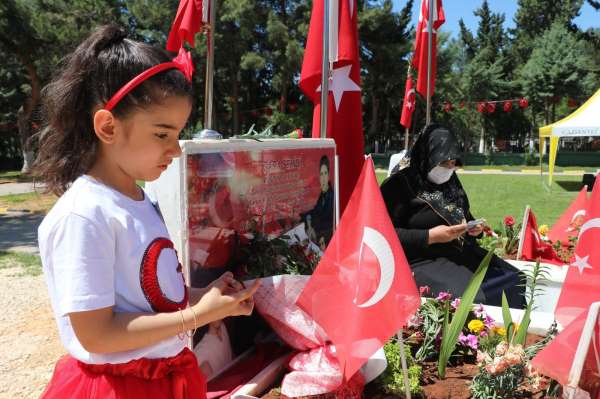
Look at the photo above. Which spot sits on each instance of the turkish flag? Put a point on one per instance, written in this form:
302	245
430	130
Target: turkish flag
556	359
191	14
581	286
533	246
408	105
362	291
420	57
571	220
344	109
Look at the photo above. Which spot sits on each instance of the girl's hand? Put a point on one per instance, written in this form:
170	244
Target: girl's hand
224	298
442	233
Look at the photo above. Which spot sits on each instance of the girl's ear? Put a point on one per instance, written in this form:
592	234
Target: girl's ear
104	126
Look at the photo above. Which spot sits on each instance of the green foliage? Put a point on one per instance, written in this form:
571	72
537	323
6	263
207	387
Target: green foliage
431	317
535	281
392	379
450	334
553	69
506	316
488	386
260	256
29	264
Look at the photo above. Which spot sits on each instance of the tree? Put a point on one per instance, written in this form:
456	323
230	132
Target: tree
384	48
553	70
18	39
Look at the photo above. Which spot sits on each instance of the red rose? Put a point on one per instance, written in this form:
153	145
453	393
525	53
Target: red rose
509	221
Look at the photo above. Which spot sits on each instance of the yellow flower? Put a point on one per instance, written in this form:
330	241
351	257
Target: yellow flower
543	229
476	326
499	330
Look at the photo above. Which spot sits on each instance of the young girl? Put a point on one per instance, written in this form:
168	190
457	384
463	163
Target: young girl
113	116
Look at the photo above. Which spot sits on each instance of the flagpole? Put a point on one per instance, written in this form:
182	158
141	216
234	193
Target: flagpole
414	106
210	62
325	70
403	361
429	45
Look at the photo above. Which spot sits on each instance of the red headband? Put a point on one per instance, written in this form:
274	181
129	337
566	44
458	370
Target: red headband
183	62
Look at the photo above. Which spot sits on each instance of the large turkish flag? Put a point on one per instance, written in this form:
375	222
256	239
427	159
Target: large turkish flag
344	107
582	283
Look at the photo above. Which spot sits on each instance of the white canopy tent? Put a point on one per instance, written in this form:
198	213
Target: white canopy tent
585	121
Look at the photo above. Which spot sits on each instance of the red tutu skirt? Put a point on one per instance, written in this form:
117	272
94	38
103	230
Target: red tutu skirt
177	377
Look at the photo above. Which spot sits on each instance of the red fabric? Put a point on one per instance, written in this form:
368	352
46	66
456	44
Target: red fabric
344	120
362	291
408	105
187	23
534	247
420	57
571	220
235	377
581	284
556	359
149	278
177	377
183	62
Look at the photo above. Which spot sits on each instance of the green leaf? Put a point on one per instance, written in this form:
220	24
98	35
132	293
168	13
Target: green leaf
450	337
506	317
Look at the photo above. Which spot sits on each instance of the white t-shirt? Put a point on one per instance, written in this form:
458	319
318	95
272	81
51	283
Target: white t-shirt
100	248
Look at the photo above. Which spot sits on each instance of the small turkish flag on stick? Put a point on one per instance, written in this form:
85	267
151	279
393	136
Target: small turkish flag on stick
362	291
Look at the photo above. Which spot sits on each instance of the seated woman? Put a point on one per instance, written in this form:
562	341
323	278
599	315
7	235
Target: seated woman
429	209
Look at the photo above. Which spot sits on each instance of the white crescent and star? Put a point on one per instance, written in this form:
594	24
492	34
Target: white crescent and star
410	98
385	257
581	263
339	83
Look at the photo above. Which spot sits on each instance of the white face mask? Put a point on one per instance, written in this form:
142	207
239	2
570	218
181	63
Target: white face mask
440	174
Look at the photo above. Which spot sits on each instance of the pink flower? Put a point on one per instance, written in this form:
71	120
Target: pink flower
489	322
483	358
479	311
497	366
424	290
509	221
455	303
512	359
444	296
469	340
501	348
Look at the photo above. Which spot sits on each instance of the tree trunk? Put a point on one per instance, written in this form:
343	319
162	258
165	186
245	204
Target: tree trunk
25	112
482	140
374	128
235	103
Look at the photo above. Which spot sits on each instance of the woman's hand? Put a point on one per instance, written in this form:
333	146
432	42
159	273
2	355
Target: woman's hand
442	233
475	231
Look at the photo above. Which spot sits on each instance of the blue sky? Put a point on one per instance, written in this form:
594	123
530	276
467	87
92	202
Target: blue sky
456	9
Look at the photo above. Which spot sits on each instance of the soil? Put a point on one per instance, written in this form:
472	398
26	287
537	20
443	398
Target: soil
29	344
456	385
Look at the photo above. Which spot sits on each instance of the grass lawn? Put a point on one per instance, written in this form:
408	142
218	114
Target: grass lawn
518	168
35	202
495	196
14	176
28	263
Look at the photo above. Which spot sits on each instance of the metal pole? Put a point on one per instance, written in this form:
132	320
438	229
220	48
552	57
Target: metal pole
210	62
404	366
325	69
429	40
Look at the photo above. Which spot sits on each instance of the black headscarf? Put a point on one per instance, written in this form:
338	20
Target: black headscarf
434	145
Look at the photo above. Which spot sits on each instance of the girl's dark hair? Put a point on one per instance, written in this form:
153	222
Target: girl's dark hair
89	77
